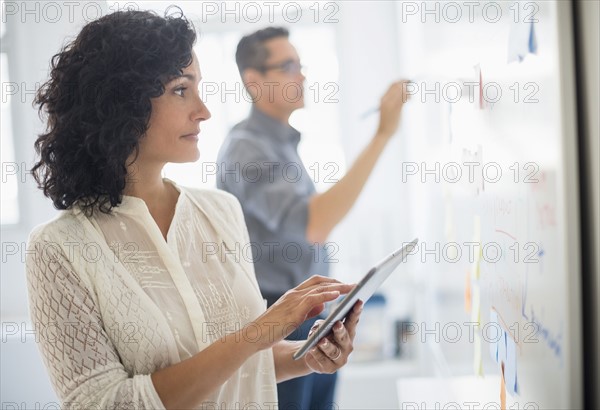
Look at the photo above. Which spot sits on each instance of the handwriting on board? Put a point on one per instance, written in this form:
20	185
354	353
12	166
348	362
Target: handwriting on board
504	352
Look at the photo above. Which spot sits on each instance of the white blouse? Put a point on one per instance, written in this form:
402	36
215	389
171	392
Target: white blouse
113	302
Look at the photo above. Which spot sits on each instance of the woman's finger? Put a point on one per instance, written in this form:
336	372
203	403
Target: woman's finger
342	338
353	318
330	350
317	361
325	364
343	288
315	299
315	280
315	326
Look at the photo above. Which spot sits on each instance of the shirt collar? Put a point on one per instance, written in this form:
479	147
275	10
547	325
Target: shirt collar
273	128
133	204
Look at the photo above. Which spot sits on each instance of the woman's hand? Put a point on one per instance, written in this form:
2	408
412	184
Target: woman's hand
292	309
332	351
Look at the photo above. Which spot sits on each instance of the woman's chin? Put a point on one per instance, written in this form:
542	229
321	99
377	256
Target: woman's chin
191	156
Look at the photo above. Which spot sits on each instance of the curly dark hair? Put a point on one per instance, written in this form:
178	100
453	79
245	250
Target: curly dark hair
98	103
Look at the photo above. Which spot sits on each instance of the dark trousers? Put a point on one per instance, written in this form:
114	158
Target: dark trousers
315	391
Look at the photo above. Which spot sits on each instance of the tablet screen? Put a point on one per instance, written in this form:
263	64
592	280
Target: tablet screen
363	291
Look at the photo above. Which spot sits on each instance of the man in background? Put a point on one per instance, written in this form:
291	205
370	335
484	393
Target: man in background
288	222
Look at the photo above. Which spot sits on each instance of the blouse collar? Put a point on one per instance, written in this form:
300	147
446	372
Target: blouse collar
133	204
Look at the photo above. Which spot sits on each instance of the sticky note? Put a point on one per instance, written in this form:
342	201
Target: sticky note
476	305
532	40
502	390
493	339
502	350
510	368
477	252
477	359
480	79
522	40
468	292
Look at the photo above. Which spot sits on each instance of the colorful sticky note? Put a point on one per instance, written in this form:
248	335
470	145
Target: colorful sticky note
532	40
510	368
480	79
477	359
494	342
477	251
476	305
521	40
468	292
502	350
502	390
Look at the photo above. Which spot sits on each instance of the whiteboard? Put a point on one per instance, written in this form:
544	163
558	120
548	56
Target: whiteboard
492	168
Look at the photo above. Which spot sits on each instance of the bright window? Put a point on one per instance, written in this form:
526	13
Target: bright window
10	169
221	87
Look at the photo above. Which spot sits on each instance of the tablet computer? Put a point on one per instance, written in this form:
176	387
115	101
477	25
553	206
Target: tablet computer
363	291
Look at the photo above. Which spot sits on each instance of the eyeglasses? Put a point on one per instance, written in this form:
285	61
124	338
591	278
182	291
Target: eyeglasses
289	67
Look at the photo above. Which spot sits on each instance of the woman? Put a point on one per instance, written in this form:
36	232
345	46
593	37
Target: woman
131	307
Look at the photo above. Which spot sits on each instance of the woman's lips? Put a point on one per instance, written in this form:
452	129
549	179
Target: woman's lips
191	137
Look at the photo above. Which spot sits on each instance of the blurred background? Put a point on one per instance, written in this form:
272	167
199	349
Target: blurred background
353	51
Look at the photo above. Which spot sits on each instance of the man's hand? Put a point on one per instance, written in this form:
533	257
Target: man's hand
390	108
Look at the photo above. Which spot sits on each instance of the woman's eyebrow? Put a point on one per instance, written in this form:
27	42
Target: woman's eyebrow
190	77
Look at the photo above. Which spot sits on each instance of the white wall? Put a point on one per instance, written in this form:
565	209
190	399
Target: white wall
35	32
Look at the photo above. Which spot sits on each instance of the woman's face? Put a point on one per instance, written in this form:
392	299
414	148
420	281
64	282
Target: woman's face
175	120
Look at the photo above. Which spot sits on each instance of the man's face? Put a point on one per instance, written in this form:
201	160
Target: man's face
283	82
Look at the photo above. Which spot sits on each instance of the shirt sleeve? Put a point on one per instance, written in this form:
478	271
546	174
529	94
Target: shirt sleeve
266	190
83	365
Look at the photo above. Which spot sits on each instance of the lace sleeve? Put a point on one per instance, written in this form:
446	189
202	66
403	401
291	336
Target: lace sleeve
84	367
